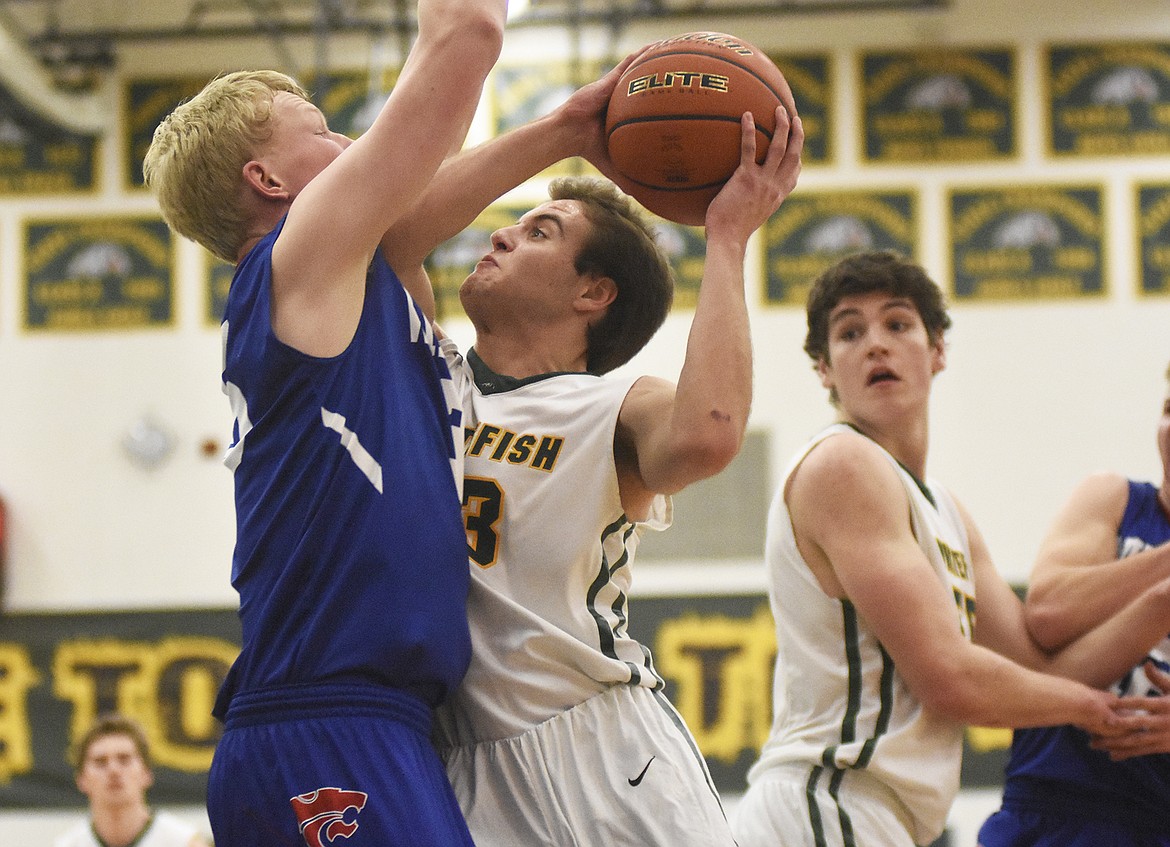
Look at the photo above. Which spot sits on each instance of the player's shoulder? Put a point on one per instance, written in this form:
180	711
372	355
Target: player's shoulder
842	455
1101	491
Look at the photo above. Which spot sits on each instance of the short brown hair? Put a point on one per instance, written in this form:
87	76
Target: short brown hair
861	273
198	152
621	245
110	724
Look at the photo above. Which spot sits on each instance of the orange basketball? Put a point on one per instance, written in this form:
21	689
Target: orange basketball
672	125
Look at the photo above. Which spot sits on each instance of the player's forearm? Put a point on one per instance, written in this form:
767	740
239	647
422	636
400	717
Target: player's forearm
472	180
1068	601
983	688
1104	654
714	395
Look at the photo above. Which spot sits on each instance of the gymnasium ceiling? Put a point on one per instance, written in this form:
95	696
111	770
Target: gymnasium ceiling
65	34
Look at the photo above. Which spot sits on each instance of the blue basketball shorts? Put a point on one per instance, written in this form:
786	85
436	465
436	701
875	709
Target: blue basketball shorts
328	765
1015	827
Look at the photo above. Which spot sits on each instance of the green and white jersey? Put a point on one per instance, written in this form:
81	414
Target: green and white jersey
550	549
840	706
162	830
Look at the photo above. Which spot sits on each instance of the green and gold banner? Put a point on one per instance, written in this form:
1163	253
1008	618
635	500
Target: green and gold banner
59	671
1027	242
1153	233
815	92
98	273
922	106
1108	99
815	229
38	157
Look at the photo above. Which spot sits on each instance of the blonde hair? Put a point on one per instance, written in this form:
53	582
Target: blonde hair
196	157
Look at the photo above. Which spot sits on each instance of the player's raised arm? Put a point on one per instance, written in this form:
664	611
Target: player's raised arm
470	181
687	433
337	219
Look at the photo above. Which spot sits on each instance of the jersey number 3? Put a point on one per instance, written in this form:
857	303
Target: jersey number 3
483	507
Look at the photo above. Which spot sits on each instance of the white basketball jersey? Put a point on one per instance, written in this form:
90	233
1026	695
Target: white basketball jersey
839	704
550	552
164	830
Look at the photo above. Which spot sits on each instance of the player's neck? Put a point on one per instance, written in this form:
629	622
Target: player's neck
119	826
523	357
907	444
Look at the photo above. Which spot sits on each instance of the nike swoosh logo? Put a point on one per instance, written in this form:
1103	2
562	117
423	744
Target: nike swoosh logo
638	780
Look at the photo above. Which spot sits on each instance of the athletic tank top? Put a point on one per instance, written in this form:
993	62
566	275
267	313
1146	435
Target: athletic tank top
839	703
163	830
350	557
551	551
1053	769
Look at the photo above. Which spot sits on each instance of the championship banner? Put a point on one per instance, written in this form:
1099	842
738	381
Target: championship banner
58	671
925	106
813	230
1108	99
814	90
38	157
1027	242
98	273
1153	233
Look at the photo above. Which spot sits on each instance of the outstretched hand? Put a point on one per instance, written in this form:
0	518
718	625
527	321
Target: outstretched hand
755	191
1152	715
585	112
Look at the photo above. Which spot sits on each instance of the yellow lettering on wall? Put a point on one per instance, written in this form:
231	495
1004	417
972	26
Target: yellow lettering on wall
169	686
17	676
731	658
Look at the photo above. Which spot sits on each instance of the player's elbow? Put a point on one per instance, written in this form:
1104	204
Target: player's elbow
948	694
711	451
1047	624
471	34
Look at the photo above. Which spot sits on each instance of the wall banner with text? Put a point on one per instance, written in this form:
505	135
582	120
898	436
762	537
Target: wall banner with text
98	273
1027	242
924	106
811	80
1108	99
1153	234
812	230
58	671
39	157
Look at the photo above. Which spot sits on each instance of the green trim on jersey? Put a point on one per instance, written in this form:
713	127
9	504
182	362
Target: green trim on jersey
490	382
921	485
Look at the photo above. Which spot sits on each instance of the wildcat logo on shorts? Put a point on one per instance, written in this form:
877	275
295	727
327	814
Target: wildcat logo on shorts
322	814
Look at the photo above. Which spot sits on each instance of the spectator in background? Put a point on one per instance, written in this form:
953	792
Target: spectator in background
112	764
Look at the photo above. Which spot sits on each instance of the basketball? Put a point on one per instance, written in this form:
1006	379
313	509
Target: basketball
672	125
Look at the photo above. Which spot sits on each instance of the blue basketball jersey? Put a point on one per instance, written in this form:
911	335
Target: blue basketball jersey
350	557
1052	770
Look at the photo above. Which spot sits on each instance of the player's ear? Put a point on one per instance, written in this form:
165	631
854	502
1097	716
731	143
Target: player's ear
822	369
262	181
938	356
596	293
